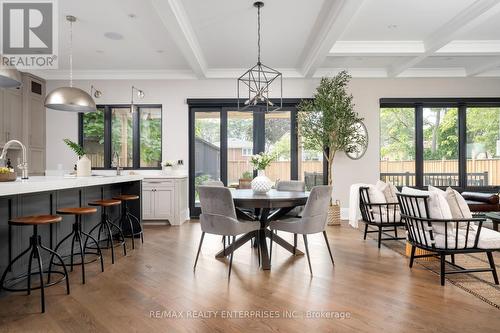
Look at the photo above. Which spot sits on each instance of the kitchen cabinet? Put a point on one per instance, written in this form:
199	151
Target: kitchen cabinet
22	117
165	200
12	106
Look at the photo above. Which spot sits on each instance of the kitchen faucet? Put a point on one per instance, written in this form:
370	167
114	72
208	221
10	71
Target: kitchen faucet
24	164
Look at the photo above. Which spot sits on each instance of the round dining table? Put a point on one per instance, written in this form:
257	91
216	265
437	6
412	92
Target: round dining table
266	207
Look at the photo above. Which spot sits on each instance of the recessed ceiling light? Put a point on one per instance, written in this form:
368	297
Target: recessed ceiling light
132	15
99	51
392	26
160	51
113	35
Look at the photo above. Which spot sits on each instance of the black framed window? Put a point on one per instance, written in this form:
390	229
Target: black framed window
132	136
441	142
221	140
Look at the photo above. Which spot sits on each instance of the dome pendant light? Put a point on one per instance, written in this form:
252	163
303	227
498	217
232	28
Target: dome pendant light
70	98
10	77
259	78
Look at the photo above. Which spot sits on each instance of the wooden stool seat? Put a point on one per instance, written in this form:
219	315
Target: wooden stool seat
35	220
105	203
76	210
126	197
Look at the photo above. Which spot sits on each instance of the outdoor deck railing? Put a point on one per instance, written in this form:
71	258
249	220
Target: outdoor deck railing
435	179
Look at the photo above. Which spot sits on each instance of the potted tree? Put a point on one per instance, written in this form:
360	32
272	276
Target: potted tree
328	122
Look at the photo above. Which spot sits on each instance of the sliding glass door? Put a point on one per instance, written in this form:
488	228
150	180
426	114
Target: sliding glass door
222	140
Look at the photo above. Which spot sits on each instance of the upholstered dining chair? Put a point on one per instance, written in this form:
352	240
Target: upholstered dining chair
313	219
213	183
218	217
292	186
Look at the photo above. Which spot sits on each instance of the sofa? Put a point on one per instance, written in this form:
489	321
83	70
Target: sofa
482	202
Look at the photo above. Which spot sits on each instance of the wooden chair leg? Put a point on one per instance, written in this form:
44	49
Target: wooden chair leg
307	252
198	253
412	256
493	267
231	258
443	257
328	246
395	231
366	231
452	258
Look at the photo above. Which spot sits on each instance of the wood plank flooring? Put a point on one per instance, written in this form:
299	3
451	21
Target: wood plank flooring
156	281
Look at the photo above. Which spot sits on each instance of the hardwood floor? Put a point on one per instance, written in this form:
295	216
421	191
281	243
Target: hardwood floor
375	287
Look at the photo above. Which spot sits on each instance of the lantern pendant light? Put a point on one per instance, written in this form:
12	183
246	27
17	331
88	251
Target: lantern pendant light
259	78
70	98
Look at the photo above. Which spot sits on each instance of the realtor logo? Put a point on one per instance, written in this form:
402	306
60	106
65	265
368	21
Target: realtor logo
29	33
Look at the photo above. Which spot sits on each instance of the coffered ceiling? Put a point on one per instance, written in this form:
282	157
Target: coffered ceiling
217	38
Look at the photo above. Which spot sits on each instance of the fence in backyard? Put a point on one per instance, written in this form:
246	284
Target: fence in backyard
442	172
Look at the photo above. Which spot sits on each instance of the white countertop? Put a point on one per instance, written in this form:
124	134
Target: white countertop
41	183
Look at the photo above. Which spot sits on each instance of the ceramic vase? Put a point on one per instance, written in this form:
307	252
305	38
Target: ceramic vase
83	167
261	184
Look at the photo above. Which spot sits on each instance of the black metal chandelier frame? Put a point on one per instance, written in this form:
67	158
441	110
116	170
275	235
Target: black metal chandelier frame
259	78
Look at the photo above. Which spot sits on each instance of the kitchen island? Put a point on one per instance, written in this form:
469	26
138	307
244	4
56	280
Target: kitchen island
44	195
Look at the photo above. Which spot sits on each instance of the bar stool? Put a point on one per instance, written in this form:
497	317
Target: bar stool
76	235
34	253
129	218
106	226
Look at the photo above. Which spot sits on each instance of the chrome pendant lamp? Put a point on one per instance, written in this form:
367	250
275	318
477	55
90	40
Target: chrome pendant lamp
70	98
259	78
10	77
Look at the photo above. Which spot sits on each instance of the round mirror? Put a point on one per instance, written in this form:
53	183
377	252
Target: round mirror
359	142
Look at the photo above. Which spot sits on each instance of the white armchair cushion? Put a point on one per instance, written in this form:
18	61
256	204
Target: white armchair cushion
389	191
375	193
458	206
392	218
488	239
437	205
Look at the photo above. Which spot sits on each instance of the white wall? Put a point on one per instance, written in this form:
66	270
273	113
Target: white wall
172	94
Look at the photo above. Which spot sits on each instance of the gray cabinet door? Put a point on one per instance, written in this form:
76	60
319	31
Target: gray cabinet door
13	114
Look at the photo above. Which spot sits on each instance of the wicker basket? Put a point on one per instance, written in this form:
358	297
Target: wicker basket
8	177
419	252
334	213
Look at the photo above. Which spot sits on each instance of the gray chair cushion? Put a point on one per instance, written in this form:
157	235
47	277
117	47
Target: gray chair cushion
218	215
292	186
314	215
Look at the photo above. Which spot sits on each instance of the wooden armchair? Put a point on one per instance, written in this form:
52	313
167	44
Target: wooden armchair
458	236
380	215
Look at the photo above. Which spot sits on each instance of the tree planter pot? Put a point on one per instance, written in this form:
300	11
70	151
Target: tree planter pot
83	167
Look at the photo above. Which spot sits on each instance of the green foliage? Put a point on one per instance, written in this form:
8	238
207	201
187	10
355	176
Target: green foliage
75	147
261	161
397	134
247	175
281	149
151	141
328	120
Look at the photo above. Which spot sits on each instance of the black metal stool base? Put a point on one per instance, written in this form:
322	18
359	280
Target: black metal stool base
106	227
76	237
127	218
34	251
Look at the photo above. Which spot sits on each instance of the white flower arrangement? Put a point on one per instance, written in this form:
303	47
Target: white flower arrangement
261	161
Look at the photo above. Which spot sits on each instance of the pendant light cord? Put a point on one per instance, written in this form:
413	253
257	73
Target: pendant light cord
258	34
71	54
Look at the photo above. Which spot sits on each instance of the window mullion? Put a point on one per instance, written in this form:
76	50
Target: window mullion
136	138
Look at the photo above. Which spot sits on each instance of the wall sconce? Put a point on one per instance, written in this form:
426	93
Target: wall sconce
95	92
140	94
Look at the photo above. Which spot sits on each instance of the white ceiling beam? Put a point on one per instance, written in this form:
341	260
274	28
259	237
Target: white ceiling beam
466	19
488	66
334	19
376	48
176	21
